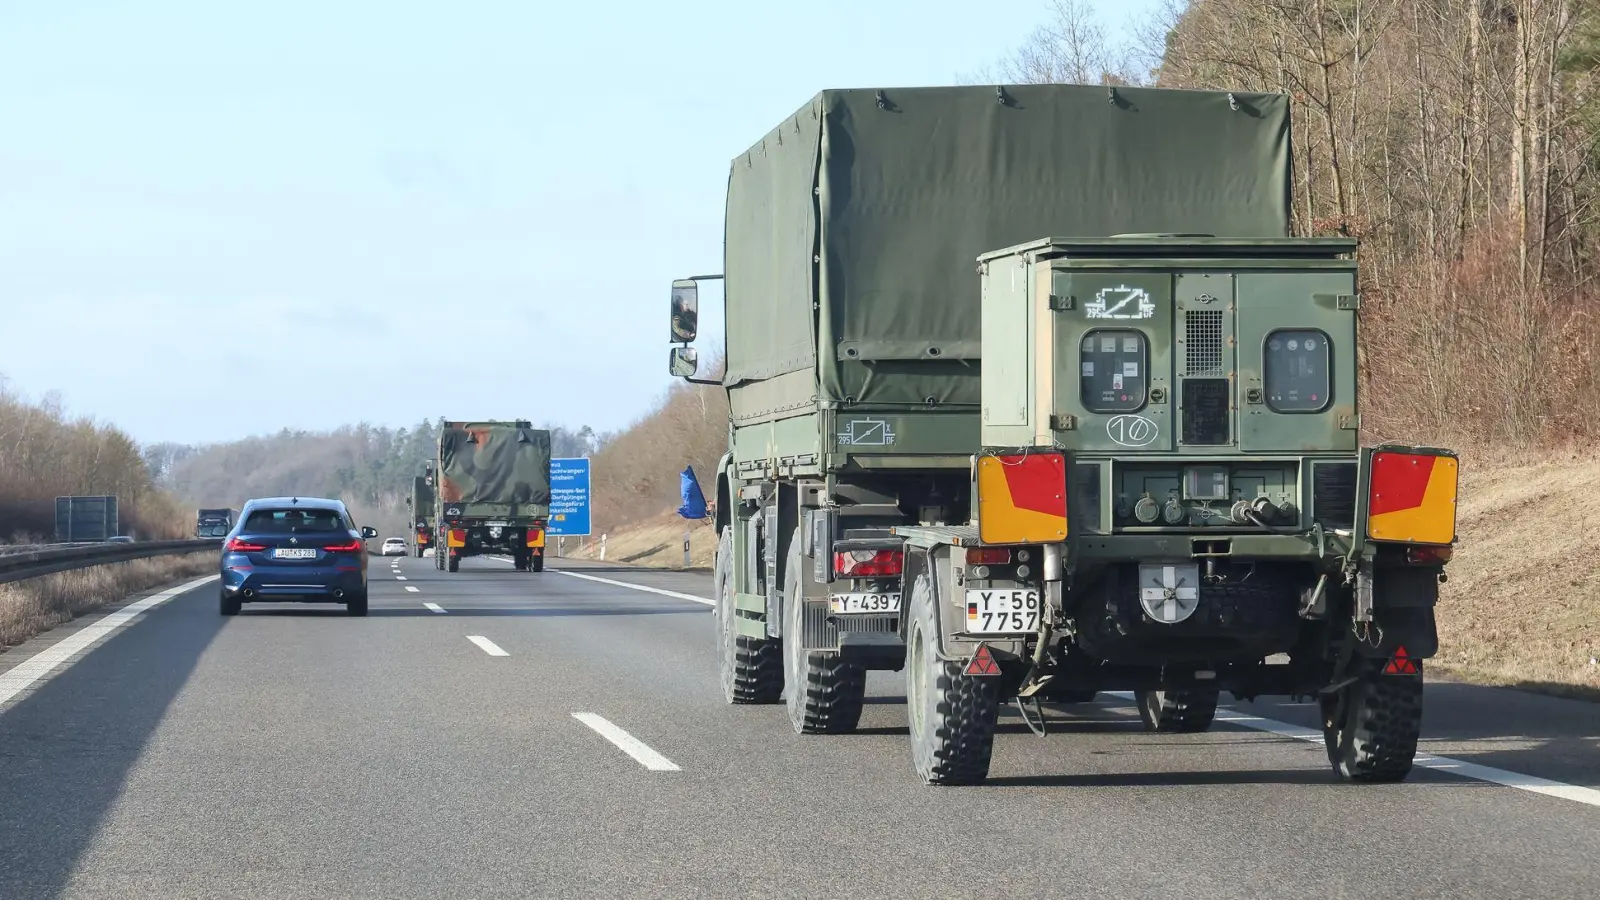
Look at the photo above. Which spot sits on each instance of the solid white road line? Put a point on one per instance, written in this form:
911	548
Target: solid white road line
707	601
413	589
42	665
1453	766
629	744
486	645
435	607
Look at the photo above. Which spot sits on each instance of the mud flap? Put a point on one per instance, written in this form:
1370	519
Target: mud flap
1411	628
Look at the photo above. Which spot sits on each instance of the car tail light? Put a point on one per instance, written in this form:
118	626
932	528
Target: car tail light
988	556
868	563
239	546
351	547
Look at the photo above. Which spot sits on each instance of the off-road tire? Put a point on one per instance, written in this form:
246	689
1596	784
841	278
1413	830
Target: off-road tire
825	692
453	564
536	564
751	669
1177	711
357	605
230	606
520	563
952	716
417	552
1375	740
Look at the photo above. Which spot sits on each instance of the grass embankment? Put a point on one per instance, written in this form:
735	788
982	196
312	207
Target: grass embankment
656	542
38	604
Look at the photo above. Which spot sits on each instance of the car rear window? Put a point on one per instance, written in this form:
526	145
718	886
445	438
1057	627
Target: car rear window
293	521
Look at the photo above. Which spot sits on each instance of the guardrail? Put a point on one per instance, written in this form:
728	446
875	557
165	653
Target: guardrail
45	561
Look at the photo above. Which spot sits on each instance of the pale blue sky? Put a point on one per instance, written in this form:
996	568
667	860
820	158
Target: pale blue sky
189	188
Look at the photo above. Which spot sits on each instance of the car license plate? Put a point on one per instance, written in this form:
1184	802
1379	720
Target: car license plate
294	553
1003	611
847	604
497	524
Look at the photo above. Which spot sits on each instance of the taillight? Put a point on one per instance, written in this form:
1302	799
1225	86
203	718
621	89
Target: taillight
988	556
1428	556
868	563
352	547
237	546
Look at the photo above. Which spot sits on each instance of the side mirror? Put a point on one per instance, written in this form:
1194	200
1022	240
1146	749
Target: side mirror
685	362
367	531
685	311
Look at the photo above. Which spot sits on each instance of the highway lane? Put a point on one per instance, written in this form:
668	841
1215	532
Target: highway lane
292	752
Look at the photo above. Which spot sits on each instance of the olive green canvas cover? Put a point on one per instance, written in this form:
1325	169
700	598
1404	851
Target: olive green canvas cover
421	497
494	468
866	211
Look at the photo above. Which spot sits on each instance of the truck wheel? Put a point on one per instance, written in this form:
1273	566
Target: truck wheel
419	552
1370	727
519	562
537	565
752	668
825	693
952	716
1177	711
454	564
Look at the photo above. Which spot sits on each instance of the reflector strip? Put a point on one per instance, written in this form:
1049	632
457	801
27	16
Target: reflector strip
982	663
1412	498
1022	499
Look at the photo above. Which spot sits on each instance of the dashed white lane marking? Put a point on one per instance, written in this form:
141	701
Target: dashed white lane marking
486	645
399	578
59	656
435	607
629	744
413	589
1502	777
707	601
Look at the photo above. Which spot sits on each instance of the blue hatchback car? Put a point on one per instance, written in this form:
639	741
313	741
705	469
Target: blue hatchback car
297	549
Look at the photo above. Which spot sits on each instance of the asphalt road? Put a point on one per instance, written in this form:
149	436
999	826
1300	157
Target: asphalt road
295	752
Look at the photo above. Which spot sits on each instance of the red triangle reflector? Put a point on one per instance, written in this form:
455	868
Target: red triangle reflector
982	662
1401	664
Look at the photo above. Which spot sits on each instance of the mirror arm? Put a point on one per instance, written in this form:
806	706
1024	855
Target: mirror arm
693	380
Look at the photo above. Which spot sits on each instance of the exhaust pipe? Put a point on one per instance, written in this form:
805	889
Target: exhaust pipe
338	594
247	593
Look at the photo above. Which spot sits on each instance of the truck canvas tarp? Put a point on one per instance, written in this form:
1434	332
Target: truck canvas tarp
496	469
896	193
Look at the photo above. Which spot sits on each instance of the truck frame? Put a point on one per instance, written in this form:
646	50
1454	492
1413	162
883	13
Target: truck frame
1172	499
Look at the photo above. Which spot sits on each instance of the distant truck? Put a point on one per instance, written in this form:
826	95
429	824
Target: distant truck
421	504
214	523
492	492
86	518
852	331
1171	499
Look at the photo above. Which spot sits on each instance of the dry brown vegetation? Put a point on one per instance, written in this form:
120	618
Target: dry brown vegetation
635	473
37	604
44	454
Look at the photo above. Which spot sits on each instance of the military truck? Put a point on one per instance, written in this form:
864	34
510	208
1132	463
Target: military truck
421	504
492	492
214	522
852	322
1171	499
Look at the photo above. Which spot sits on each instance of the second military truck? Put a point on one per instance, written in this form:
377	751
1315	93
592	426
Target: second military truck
852	323
492	492
421	504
